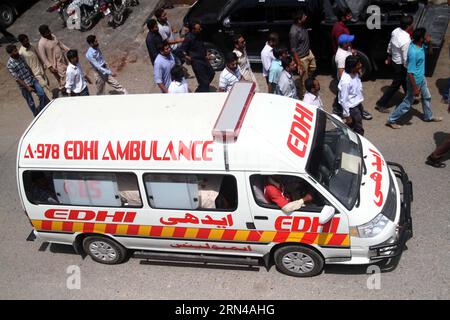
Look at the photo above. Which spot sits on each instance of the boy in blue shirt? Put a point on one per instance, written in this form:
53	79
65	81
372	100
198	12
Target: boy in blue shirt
276	68
416	82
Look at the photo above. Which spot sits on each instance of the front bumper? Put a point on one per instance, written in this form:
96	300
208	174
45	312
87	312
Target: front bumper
394	247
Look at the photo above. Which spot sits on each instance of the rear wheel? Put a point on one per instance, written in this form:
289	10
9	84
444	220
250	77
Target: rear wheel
366	65
118	13
298	261
104	250
7	15
87	19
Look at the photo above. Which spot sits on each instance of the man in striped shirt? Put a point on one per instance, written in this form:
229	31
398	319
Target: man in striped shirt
24	77
231	74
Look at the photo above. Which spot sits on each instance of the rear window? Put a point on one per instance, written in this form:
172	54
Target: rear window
106	189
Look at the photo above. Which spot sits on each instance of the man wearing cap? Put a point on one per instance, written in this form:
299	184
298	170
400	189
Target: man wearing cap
344	50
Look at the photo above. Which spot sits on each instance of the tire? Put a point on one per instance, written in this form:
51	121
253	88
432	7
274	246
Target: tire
87	19
118	13
118	19
366	65
218	63
298	261
7	15
86	24
104	250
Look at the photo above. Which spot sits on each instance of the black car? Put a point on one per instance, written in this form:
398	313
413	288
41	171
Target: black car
10	9
255	19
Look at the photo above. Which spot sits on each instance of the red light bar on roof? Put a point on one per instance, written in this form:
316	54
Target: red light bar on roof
233	112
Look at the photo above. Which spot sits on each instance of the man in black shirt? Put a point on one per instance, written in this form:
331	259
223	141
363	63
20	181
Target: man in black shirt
153	40
196	55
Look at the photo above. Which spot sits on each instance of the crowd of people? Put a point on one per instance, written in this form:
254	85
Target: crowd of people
28	64
168	50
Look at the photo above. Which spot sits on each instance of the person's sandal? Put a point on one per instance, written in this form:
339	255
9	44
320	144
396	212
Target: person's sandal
436	119
393	125
435	162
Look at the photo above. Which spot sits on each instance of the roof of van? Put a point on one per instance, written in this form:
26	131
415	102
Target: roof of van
166	132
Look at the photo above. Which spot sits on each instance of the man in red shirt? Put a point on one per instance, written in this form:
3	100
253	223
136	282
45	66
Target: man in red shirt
340	27
274	193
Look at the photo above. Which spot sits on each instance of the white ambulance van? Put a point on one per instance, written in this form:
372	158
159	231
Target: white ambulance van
184	177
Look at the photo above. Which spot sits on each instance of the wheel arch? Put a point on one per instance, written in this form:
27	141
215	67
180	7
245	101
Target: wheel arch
78	242
299	244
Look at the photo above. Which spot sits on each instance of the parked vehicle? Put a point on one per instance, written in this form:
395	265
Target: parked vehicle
255	19
117	10
61	6
10	10
195	191
83	14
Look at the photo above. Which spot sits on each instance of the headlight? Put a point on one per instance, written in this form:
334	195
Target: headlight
370	229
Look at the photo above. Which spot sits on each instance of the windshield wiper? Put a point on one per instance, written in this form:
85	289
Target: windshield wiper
364	166
358	198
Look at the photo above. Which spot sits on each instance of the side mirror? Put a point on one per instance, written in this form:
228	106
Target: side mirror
326	214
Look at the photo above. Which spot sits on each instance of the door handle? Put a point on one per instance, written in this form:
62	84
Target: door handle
261	218
250	225
263	30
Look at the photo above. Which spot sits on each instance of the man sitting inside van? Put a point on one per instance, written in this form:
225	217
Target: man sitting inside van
275	192
42	191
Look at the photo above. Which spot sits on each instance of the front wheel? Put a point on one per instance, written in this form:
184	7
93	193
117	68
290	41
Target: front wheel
298	261
104	250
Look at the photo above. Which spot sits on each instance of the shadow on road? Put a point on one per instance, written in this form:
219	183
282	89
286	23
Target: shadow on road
199	265
385	266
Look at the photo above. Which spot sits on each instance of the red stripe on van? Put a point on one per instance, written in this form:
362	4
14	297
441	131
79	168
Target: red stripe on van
67	226
336	240
254	236
132	230
111	228
203	233
309	238
281	236
179	232
229	234
156	231
88	227
47	225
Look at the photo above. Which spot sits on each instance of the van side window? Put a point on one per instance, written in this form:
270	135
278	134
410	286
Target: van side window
191	191
291	187
82	188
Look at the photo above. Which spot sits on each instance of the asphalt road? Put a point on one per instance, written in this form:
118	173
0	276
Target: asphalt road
32	270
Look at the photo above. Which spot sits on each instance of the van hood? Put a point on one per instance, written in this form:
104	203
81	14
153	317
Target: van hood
206	11
375	184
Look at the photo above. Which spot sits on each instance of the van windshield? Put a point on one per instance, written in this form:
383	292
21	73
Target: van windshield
336	159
